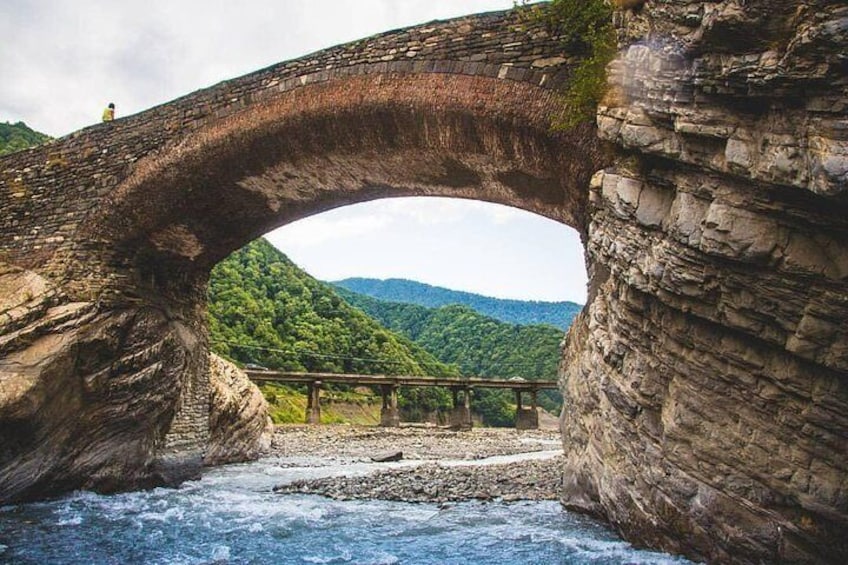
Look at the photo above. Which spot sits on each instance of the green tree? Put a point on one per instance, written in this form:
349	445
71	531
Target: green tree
266	311
584	27
480	346
19	136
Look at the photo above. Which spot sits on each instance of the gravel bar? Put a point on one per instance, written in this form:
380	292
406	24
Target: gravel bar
454	466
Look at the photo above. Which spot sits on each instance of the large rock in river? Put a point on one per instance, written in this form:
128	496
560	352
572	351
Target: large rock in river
83	383
240	428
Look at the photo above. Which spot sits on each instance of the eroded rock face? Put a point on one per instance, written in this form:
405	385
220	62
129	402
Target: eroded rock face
89	393
706	384
240	428
83	385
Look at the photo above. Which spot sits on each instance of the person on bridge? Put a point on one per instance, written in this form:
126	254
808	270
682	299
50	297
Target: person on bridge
109	112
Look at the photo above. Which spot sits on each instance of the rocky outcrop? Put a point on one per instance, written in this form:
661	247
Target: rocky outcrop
82	385
706	384
88	393
240	428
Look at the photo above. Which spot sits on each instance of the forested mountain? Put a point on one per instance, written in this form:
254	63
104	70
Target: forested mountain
264	310
15	137
479	345
558	314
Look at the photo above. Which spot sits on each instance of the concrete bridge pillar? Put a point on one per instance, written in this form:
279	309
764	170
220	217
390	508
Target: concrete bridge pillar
461	413
390	415
526	418
313	403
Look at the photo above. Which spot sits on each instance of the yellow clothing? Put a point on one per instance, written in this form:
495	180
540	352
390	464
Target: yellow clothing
108	114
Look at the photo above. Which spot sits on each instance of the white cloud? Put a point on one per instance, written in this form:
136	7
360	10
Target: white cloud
434	211
462	244
318	230
61	61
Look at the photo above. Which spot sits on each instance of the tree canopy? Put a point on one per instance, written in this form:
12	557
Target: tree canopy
559	314
19	136
264	310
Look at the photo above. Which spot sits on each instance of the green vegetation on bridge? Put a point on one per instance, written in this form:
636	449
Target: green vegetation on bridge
584	27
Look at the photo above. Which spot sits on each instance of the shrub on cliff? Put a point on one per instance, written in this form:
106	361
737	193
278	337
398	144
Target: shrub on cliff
584	27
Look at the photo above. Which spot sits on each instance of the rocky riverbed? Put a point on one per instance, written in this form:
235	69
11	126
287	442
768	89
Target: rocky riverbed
436	465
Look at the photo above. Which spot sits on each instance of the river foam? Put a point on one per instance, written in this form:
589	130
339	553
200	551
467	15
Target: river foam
232	516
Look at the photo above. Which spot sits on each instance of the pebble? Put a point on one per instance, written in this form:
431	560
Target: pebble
434	480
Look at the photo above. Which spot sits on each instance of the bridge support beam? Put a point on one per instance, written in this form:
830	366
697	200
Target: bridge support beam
313	403
389	414
526	418
461	413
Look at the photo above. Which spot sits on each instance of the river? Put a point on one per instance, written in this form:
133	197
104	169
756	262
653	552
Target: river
232	516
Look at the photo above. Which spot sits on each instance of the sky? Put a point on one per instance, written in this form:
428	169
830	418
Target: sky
62	61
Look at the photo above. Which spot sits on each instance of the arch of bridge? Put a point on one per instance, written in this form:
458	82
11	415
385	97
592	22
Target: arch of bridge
123	221
459	108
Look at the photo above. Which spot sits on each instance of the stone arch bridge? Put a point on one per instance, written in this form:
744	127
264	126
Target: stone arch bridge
706	381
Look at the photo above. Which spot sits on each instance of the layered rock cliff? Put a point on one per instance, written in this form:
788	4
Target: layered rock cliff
706	383
83	385
88	390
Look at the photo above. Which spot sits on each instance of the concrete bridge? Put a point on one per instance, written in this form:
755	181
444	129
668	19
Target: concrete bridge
526	417
707	378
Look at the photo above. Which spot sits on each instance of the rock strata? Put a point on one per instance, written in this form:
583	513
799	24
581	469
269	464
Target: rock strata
81	387
82	384
706	384
240	428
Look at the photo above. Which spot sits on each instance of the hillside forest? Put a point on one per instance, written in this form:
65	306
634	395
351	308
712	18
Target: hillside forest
263	310
18	136
523	312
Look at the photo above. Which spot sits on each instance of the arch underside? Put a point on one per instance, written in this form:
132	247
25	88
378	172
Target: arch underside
343	142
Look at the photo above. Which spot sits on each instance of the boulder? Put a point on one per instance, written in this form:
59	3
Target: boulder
240	428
